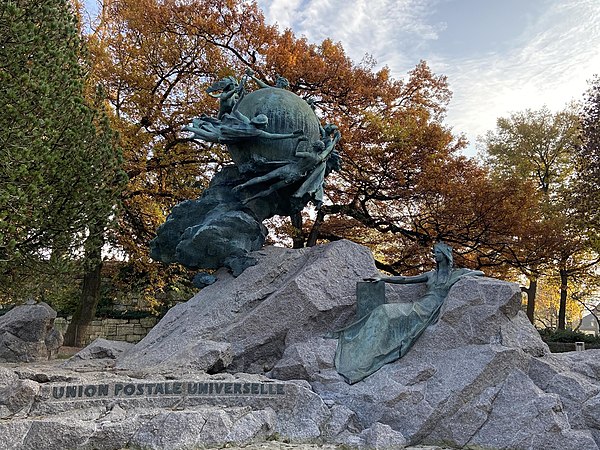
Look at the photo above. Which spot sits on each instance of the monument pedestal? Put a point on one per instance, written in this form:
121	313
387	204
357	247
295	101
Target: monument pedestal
480	376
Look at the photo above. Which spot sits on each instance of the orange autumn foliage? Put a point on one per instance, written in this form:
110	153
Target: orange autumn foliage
403	181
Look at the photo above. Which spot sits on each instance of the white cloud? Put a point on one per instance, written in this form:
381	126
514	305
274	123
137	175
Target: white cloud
380	28
557	55
280	11
547	65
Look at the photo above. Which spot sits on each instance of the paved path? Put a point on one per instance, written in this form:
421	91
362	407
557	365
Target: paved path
284	446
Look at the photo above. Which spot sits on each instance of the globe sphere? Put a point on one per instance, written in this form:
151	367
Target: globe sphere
286	113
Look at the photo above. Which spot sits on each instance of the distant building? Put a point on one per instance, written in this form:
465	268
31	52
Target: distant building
589	324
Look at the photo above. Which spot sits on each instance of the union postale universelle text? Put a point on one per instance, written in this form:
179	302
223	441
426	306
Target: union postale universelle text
166	388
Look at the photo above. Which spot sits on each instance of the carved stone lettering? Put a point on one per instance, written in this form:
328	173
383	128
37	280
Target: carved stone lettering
176	388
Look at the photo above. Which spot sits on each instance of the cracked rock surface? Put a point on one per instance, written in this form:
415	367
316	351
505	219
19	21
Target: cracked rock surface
27	333
479	378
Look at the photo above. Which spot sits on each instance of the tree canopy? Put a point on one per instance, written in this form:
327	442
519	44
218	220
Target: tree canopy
541	146
404	182
587	192
402	171
59	167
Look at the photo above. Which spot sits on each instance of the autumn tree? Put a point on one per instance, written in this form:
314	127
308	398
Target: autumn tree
548	307
404	175
59	167
396	152
369	107
391	130
586	194
402	171
540	146
156	59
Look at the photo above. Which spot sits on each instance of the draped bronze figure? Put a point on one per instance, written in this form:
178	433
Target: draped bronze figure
388	332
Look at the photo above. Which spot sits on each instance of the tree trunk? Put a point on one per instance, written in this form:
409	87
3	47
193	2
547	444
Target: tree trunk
297	238
531	291
314	231
562	310
90	295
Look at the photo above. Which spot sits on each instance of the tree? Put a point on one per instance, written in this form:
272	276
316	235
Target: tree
92	259
549	305
155	61
586	295
535	144
59	167
587	186
391	137
584	197
401	165
403	174
154	72
541	146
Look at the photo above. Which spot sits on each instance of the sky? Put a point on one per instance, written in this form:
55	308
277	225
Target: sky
500	56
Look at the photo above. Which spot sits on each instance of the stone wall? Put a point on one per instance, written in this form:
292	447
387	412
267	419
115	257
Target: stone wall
129	330
561	347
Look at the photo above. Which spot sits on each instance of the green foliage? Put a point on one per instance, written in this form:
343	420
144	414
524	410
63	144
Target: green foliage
59	167
569	336
47	281
535	144
541	146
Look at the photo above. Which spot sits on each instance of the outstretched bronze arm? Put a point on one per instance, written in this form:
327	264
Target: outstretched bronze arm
422	278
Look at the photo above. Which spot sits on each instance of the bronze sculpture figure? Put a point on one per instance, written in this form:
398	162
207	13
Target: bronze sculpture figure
281	155
388	332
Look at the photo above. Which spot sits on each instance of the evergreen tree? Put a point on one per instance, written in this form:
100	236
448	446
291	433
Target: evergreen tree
59	167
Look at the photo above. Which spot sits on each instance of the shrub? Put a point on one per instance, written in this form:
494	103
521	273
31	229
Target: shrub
568	336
